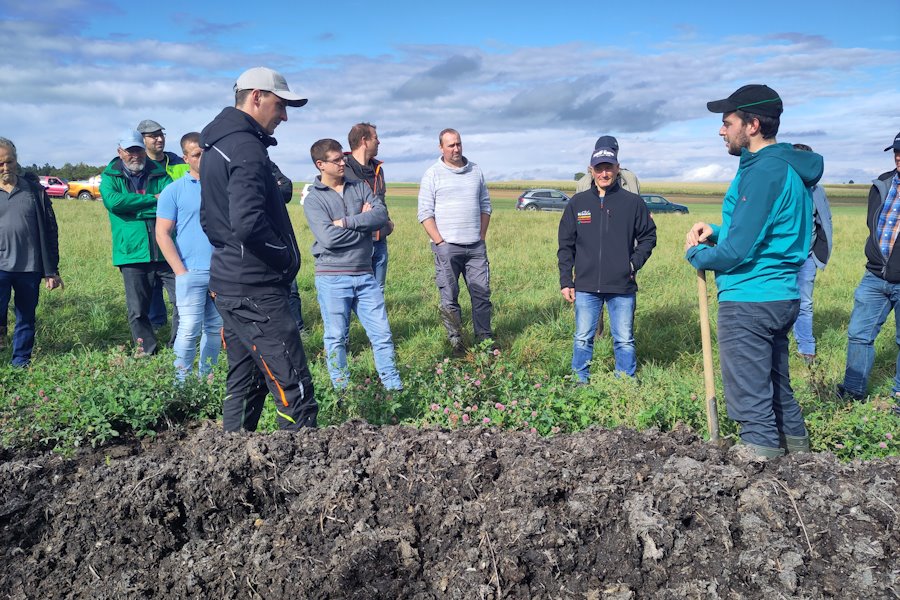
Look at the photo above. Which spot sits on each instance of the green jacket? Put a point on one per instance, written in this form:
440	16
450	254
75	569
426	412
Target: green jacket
132	217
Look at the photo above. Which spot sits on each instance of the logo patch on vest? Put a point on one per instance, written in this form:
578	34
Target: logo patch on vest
584	217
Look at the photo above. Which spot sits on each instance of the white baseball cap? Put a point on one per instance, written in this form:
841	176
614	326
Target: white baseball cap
263	78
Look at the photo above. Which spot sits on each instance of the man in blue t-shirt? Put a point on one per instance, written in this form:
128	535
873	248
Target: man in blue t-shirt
189	254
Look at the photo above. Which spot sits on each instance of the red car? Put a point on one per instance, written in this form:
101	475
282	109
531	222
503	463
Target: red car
56	187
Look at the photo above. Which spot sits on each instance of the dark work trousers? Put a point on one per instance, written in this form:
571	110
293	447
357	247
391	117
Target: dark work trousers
470	261
265	355
753	351
140	278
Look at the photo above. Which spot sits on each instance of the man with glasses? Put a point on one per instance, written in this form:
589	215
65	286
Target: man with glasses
155	145
255	256
342	216
130	187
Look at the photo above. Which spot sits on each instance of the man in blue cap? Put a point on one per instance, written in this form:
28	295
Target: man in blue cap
130	187
756	254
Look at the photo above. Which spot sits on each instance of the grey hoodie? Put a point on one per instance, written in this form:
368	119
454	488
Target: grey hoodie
345	250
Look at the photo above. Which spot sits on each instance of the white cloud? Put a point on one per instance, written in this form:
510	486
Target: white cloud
523	112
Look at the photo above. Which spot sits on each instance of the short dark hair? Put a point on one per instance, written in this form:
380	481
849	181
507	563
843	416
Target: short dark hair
191	137
768	126
445	131
358	133
803	147
240	96
319	150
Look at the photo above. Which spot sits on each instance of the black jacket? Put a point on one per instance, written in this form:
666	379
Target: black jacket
606	240
889	269
48	232
243	211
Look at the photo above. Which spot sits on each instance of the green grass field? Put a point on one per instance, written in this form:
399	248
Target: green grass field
85	387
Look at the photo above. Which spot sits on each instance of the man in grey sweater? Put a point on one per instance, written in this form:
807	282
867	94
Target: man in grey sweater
455	210
342	215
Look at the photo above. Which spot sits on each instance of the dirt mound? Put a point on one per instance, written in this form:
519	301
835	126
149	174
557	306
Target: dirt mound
393	512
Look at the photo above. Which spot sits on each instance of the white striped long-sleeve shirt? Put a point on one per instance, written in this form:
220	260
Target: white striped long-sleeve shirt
455	198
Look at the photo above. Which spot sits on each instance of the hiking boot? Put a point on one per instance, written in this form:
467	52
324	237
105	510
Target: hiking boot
794	444
457	348
846	395
765	451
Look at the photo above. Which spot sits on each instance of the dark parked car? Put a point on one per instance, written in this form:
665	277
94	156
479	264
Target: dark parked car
542	199
659	204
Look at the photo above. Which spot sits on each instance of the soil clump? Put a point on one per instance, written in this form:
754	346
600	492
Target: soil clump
358	511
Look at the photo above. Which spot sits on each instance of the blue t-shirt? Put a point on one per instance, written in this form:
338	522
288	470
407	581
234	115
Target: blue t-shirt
180	202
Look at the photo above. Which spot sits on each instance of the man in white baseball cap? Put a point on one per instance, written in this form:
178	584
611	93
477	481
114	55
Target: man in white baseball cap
255	256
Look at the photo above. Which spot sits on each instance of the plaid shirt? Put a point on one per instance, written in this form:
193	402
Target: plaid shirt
888	221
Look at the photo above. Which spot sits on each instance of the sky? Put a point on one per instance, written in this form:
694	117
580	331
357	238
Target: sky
529	85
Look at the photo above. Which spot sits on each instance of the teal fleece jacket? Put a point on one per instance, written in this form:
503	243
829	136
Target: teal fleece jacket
766	223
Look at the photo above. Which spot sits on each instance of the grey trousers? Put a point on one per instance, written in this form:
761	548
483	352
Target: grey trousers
470	261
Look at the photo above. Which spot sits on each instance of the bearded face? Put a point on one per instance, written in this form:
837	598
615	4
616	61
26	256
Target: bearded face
134	158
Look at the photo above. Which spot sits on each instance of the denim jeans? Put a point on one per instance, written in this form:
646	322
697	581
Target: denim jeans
753	352
872	302
338	296
158	313
803	328
588	307
380	261
197	318
25	288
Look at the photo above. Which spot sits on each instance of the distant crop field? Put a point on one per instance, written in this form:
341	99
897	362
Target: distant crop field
849	194
83	359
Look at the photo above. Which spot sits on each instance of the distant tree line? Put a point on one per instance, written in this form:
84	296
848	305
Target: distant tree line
68	171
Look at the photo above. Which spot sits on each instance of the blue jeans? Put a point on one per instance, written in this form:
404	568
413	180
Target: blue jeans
339	295
380	261
753	352
803	328
197	318
26	287
872	302
588	307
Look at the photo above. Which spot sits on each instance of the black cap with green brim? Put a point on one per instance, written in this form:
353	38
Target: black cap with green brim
755	99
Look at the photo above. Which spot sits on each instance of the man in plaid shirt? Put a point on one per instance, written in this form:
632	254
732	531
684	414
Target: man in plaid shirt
879	291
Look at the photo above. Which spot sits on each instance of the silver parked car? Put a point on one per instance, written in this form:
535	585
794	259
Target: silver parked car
542	199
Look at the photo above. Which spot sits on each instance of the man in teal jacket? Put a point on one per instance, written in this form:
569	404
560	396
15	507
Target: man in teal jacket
130	187
756	254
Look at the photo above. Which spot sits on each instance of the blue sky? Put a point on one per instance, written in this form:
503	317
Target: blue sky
529	85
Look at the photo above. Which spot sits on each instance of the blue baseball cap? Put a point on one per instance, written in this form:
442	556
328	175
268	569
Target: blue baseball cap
131	138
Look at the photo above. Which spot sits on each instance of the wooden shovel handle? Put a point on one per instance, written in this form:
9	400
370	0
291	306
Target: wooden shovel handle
712	415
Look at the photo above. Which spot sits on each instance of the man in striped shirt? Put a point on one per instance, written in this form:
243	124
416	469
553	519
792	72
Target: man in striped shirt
879	291
455	210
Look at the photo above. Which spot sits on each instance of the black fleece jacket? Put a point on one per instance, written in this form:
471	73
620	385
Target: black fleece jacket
606	240
243	211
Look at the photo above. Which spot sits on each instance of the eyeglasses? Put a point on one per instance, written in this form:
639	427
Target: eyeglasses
337	162
157	134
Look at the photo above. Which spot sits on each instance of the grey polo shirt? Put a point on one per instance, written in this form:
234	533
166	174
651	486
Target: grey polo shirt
20	248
